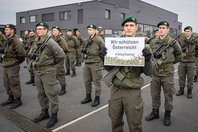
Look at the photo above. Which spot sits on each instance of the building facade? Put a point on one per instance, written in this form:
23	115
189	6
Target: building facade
107	14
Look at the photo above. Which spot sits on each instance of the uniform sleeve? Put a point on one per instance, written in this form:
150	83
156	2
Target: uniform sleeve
177	52
21	52
76	42
64	45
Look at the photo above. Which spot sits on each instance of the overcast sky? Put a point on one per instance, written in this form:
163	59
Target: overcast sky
186	9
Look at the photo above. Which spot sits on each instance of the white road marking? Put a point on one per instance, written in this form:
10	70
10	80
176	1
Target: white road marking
89	114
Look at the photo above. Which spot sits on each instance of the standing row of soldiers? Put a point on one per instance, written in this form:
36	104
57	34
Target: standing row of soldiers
47	56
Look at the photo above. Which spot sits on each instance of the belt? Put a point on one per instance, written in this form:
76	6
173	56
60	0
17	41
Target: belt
44	68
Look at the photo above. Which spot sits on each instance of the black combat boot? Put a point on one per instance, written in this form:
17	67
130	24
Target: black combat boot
167	121
154	115
87	99
31	81
63	91
68	72
73	74
195	79
17	102
180	92
53	120
189	93
44	115
96	101
10	100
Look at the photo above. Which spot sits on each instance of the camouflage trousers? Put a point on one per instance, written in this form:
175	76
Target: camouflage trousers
130	102
167	84
93	73
70	61
196	63
48	87
11	80
61	73
186	70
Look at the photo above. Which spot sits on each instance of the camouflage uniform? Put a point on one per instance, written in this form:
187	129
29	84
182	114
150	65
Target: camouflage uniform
48	54
73	45
2	40
163	75
187	67
14	55
79	57
60	67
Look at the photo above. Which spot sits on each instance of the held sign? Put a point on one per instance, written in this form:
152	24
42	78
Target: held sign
126	51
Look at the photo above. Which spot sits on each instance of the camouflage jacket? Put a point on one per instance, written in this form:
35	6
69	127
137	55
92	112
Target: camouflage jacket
62	43
2	40
173	54
72	42
14	53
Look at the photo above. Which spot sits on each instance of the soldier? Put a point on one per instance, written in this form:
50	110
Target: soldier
73	45
25	39
46	53
126	94
196	60
93	65
13	55
101	33
155	36
28	46
79	57
163	72
56	32
187	67
2	39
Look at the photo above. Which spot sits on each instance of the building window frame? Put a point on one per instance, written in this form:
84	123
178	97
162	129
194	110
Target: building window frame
65	15
33	18
22	20
122	15
52	17
107	14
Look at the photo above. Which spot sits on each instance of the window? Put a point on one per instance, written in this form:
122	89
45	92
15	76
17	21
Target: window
48	17
65	15
122	16
22	19
80	16
32	19
107	14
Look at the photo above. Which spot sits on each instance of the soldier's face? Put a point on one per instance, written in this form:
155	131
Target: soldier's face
31	34
130	29
163	30
69	33
9	32
55	32
41	31
78	33
188	33
91	31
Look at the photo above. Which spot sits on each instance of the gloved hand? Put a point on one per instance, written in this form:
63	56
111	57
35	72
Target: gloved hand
26	47
184	50
146	54
84	51
103	52
33	56
157	55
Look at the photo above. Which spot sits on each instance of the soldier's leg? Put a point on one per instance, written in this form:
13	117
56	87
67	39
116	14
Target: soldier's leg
169	90
133	106
87	81
72	58
191	70
61	77
51	86
116	110
96	71
196	74
182	71
155	92
67	66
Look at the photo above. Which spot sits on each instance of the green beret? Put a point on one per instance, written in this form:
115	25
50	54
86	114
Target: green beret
31	30
42	24
11	26
92	26
69	30
188	27
56	27
129	19
164	23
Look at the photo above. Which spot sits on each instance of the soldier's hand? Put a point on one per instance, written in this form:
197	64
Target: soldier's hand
1	50
157	55
146	54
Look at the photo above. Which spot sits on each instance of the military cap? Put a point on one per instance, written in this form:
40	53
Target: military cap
31	30
92	26
188	28
42	24
129	19
11	26
56	27
69	30
164	23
